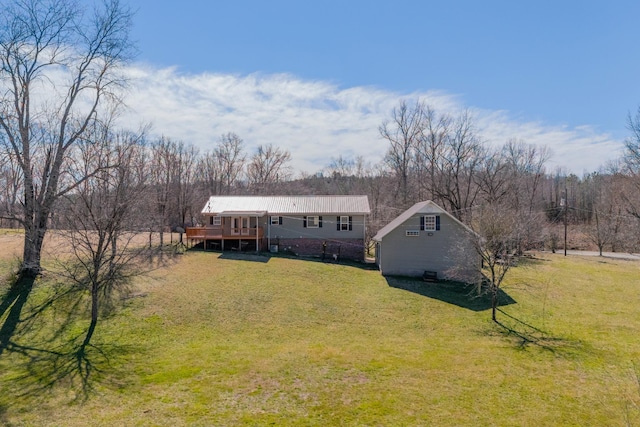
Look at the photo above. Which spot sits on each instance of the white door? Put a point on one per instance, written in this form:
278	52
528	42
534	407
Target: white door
236	225
240	226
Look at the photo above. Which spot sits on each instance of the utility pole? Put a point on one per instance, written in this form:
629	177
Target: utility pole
566	205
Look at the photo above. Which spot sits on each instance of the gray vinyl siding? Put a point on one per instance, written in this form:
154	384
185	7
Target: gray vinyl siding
448	251
293	227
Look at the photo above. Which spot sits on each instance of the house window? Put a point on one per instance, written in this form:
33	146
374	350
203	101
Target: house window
216	220
276	220
344	223
413	233
313	222
429	223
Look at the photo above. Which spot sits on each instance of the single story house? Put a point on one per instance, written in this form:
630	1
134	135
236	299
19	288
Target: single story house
426	240
331	226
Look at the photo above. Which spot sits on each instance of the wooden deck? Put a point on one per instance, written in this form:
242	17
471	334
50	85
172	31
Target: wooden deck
206	233
237	239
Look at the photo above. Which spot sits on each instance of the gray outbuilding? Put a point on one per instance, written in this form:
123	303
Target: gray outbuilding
427	241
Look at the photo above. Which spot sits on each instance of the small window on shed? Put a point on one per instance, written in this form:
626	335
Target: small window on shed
429	223
412	233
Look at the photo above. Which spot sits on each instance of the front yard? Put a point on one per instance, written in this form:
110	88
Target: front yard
213	340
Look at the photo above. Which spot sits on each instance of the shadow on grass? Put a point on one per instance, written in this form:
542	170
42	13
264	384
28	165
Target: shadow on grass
251	255
328	260
11	308
456	293
531	259
76	367
244	256
525	335
45	345
4	419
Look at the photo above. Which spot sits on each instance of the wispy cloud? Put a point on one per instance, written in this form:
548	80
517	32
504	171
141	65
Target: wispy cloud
317	120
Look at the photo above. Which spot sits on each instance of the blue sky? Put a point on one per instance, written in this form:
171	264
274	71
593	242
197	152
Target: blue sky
561	73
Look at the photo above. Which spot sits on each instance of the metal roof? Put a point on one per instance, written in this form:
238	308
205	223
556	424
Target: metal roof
240	213
426	207
358	205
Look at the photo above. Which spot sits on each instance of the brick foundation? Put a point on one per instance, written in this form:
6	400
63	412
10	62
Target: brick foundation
352	249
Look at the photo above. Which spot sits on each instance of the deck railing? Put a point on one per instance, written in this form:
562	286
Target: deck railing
208	233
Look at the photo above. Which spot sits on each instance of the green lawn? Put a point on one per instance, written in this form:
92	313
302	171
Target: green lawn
213	340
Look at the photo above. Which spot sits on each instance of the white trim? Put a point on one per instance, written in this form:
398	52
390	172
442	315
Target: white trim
432	222
344	223
245	226
316	221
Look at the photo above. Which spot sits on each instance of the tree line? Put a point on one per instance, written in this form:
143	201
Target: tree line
430	156
444	158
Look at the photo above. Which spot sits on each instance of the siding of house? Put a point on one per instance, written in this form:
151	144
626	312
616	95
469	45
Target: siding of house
292	235
293	227
293	230
335	249
448	251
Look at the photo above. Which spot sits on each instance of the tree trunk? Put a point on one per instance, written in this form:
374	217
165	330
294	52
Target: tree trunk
95	291
494	304
94	318
33	240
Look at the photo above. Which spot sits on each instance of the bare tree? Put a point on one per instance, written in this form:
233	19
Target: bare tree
458	166
163	169
404	133
58	66
632	144
526	166
268	166
100	214
606	214
497	228
173	178
430	149
492	177
10	188
229	153
631	161
343	174
601	232
187	157
209	174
